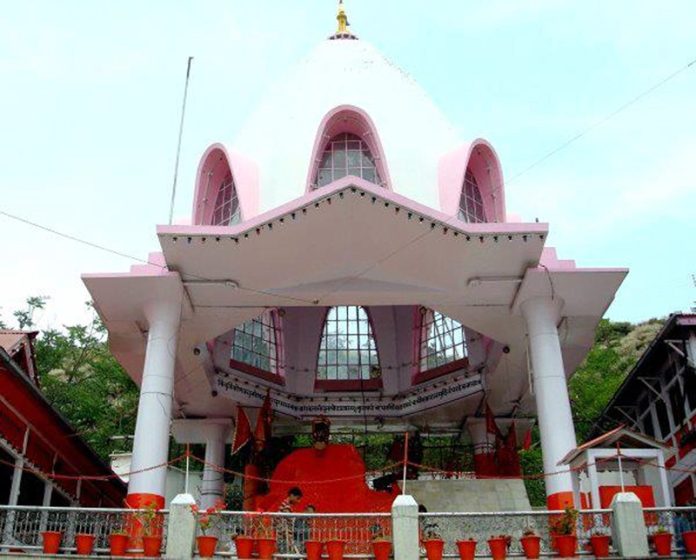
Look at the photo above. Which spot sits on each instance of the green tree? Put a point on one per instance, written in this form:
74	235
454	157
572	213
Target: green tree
82	380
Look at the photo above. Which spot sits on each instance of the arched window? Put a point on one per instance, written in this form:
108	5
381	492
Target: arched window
442	341
347	350
346	154
257	345
226	210
471	207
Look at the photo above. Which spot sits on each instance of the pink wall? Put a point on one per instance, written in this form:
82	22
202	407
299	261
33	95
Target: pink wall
342	119
216	162
480	157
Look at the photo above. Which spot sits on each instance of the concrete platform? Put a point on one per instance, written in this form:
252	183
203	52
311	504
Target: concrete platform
470	495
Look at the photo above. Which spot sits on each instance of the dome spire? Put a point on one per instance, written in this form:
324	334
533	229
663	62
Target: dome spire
342	31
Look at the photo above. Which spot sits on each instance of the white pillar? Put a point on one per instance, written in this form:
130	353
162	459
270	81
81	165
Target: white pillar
181	528
213	484
484	450
628	531
405	533
151	441
551	393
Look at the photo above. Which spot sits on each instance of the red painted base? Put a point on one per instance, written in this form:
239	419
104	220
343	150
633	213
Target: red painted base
560	500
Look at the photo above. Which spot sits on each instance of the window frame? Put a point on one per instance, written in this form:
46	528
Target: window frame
277	377
422	375
348	384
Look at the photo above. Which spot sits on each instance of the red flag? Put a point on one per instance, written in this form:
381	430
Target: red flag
262	433
242	432
527	444
491	426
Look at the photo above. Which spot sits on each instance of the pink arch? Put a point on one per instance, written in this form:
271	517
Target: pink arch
217	161
481	159
348	118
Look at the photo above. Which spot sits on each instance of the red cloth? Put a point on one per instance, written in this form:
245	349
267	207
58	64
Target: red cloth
242	433
644	493
264	420
341	464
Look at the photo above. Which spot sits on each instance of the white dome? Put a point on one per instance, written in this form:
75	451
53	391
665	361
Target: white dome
280	135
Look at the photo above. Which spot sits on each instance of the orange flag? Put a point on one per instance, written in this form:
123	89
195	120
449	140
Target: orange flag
264	420
242	432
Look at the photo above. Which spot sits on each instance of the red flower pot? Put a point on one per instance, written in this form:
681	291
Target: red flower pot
313	549
206	546
267	548
663	543
600	545
566	545
433	548
118	544
689	538
245	547
498	546
467	549
531	544
84	543
51	541
335	549
381	549
152	546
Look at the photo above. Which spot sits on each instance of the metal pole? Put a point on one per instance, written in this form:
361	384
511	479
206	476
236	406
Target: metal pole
178	145
621	477
186	478
403	484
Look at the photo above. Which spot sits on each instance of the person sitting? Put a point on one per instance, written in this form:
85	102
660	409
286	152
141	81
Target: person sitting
303	530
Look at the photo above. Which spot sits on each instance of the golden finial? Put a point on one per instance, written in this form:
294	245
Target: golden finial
342	19
342	31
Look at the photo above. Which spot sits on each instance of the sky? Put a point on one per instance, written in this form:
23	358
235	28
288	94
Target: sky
90	94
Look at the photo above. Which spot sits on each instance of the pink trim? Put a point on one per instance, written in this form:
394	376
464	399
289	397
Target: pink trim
342	185
221	161
480	157
434	373
257	372
348	118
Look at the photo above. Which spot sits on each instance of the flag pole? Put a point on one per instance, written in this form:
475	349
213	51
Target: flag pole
621	476
178	145
403	484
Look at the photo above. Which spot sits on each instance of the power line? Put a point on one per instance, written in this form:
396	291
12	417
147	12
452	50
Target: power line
601	121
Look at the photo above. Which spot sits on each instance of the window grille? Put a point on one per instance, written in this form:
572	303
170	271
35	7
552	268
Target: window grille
347	154
226	211
471	207
258	343
347	350
442	340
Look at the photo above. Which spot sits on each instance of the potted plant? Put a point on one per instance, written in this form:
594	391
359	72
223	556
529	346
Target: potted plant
499	544
266	539
84	543
118	542
149	520
381	543
599	542
314	549
51	541
662	539
335	549
689	538
244	545
564	533
207	519
432	541
467	549
531	543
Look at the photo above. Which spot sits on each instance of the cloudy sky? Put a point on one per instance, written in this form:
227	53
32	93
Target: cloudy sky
91	90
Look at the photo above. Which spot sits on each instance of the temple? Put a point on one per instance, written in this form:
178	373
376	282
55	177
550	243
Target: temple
352	257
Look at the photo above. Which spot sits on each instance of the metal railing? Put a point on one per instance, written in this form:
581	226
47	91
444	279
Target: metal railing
481	526
21	526
292	531
674	520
